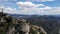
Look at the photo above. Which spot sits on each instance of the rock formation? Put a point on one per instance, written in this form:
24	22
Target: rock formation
9	25
36	30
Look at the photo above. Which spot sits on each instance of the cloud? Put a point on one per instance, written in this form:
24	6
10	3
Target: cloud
30	8
7	0
29	0
53	11
39	11
8	10
28	4
46	0
41	0
1	8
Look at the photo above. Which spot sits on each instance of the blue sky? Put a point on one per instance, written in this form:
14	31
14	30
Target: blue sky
40	7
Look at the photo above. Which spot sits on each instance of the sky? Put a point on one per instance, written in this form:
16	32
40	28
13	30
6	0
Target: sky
30	7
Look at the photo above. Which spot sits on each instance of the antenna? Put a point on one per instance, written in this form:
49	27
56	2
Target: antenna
2	10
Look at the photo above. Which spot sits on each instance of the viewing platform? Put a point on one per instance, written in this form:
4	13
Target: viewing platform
2	14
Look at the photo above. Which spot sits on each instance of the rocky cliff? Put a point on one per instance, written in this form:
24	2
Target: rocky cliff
9	25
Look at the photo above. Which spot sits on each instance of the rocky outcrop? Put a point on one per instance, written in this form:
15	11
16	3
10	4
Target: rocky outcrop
36	30
17	26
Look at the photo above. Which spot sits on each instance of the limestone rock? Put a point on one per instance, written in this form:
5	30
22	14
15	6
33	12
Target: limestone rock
36	30
16	26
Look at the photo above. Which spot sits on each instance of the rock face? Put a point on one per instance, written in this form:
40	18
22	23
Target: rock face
36	30
9	25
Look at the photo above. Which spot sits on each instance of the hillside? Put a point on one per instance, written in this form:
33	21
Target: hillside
10	25
49	23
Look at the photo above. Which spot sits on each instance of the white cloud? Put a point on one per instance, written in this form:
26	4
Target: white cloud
39	11
46	8
8	10
7	0
54	10
29	0
46	0
28	4
31	8
41	0
1	8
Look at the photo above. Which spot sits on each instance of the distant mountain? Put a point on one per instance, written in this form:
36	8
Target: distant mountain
17	15
21	15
